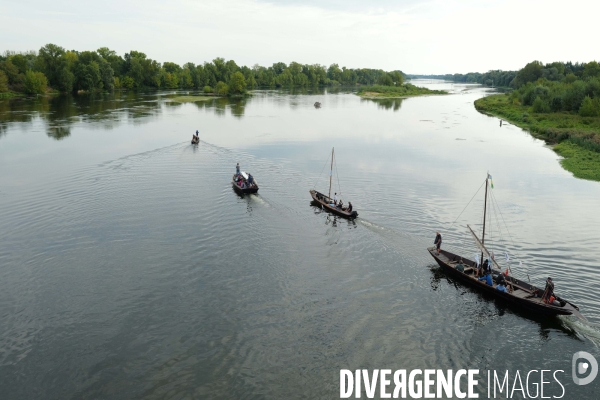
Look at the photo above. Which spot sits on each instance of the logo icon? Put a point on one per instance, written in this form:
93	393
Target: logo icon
581	367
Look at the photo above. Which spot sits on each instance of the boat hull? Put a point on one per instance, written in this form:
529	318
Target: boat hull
524	297
321	200
240	190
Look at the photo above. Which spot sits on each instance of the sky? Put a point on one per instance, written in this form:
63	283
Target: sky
418	37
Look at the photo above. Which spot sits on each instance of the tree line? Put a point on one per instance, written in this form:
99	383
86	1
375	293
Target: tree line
552	87
56	68
559	87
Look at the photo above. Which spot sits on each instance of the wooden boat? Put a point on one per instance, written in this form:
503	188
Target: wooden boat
195	140
243	177
317	104
520	294
326	202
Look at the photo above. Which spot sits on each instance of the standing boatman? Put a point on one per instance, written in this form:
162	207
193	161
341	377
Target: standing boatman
237	169
438	241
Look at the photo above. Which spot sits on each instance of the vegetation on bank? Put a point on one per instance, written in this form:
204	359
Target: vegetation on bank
55	68
562	107
189	99
396	91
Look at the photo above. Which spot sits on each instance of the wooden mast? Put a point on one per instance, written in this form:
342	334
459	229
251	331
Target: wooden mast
331	173
484	215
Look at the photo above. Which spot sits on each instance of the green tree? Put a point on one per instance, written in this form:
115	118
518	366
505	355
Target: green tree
3	82
540	106
222	89
207	89
11	71
237	83
589	107
51	62
592	69
530	73
34	82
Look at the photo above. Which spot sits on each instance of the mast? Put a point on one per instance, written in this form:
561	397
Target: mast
331	172
484	214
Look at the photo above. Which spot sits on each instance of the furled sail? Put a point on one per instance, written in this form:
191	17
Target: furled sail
483	249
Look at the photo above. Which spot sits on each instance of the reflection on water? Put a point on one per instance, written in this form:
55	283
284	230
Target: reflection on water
387	104
59	113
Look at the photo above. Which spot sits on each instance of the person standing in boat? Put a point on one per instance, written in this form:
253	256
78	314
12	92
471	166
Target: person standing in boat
438	241
237	169
334	199
549	290
250	180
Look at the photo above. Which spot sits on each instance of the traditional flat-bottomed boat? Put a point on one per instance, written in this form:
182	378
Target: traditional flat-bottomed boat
519	294
325	202
241	185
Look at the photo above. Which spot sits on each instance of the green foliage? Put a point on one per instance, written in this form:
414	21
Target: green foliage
3	82
406	90
589	107
237	83
222	89
540	106
583	163
104	69
578	136
207	89
34	82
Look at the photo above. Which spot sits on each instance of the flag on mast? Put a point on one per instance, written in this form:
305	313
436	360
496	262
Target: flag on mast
491	181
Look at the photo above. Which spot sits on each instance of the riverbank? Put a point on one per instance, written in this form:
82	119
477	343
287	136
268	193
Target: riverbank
396	92
574	137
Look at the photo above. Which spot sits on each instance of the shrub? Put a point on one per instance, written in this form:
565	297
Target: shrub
589	107
237	83
35	82
207	89
221	89
3	82
540	106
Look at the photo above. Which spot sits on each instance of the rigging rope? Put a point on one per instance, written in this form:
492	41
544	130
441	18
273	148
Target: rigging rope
465	207
315	185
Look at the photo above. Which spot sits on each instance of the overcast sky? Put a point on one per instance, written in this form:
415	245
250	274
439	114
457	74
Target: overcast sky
429	37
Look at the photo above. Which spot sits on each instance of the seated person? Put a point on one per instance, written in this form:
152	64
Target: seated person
341	205
349	209
488	279
501	287
460	267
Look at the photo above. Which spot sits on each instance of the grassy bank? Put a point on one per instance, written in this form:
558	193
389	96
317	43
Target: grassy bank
577	138
395	92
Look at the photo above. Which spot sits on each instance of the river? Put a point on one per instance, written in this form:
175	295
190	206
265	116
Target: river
129	268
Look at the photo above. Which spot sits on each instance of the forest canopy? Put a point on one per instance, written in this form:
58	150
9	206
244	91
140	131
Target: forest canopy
104	70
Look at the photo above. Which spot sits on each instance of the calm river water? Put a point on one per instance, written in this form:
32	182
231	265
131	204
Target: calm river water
130	269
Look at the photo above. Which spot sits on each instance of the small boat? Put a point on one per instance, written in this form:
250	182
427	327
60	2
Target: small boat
195	140
240	184
317	104
520	294
326	202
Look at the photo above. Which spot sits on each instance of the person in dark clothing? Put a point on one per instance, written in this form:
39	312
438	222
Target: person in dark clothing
438	241
349	209
549	290
250	179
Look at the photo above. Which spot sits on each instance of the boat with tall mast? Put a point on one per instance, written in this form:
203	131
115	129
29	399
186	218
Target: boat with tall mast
519	293
329	204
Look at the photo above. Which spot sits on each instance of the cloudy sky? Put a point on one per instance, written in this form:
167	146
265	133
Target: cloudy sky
414	36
